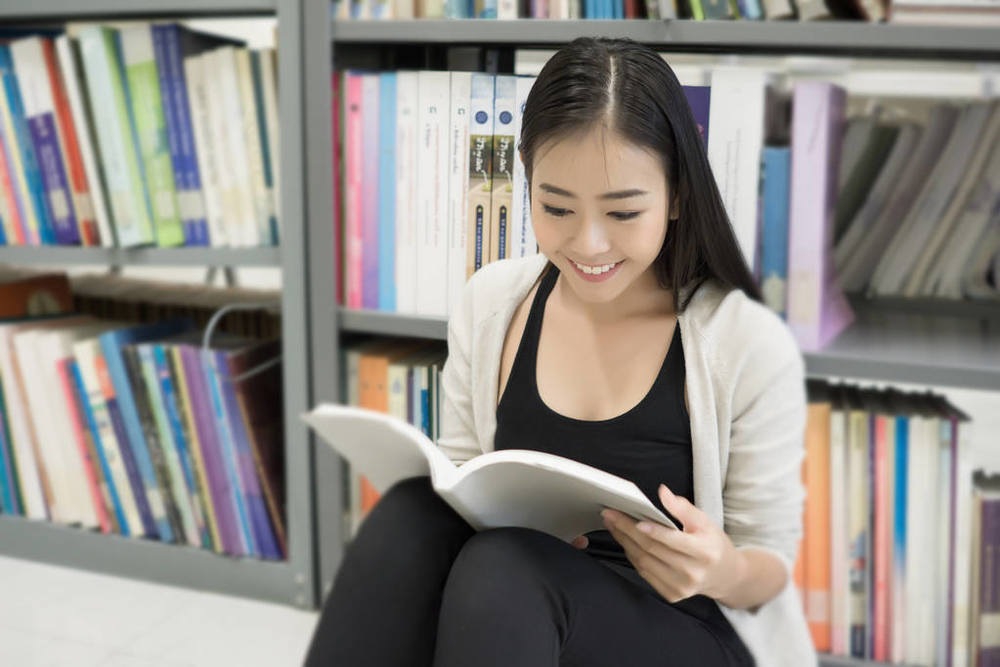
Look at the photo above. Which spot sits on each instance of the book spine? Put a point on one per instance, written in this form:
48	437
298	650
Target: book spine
369	190
258	61
263	202
353	195
107	389
386	265
210	367
407	103
220	487
172	131
119	157
337	85
432	189
9	491
880	546
818	518
501	197
115	362
96	484
178	486
480	172
263	532
151	129
269	87
12	207
150	436
33	188
204	150
239	159
524	234
839	588
177	435
458	184
83	127
79	191
111	456
858	536
32	477
774	255
899	532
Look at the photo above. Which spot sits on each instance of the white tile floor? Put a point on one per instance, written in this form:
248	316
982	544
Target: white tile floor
54	617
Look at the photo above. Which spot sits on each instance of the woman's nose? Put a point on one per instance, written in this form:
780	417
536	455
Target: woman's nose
592	241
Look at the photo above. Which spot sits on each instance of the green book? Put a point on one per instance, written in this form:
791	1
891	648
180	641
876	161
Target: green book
151	130
115	137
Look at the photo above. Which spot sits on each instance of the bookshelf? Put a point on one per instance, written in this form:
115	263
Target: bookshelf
293	581
893	340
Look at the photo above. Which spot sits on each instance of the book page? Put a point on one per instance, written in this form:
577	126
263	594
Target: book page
383	448
542	491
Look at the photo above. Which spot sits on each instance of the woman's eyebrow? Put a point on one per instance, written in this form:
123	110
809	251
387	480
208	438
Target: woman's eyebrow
620	194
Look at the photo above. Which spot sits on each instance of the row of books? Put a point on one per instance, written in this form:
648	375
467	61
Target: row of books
148	134
145	431
400	377
885	560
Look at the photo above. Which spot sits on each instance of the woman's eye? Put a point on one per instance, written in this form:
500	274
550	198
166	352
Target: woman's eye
558	212
623	215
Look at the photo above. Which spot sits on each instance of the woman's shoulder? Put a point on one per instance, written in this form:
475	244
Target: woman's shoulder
498	285
738	331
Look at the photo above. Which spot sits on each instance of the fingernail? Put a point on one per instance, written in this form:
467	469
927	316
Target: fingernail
606	515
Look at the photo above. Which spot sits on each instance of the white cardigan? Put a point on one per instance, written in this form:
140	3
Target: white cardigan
747	406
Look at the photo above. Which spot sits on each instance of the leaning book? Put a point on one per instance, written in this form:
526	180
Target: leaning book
511	487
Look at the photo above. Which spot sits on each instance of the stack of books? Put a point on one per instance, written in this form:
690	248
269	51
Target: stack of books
141	430
148	134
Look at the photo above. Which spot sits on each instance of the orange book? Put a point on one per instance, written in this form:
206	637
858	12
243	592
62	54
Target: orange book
817	536
799	573
31	295
373	393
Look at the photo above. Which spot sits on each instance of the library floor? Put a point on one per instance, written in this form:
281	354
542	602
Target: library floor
55	616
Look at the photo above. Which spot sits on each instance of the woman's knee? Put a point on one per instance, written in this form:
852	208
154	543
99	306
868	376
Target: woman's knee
410	512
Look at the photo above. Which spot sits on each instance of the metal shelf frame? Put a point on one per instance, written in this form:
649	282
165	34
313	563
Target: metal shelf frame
293	581
846	38
69	255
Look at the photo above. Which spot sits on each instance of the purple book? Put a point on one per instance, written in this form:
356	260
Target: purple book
218	482
989	652
132	469
369	196
46	143
817	308
699	98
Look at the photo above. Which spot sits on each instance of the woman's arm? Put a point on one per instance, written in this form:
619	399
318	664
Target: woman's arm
458	438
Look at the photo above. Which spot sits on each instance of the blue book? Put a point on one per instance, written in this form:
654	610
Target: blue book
387	192
91	425
228	450
257	510
168	66
170	403
257	74
23	144
699	99
774	235
131	468
8	491
899	513
135	440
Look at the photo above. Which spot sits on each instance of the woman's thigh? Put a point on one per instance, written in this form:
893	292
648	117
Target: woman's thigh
518	596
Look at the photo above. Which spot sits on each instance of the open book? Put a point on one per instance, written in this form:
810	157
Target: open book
511	487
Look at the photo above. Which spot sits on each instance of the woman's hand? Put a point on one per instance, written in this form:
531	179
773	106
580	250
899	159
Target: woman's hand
701	559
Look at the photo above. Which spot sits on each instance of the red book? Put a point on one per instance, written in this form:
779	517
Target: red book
13	221
880	548
353	154
337	194
71	150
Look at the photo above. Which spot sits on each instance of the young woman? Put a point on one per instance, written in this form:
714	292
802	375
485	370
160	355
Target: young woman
634	342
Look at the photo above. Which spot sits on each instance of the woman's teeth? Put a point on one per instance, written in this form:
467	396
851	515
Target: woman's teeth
596	270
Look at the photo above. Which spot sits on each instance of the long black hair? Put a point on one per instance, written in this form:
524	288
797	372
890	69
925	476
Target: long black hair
631	88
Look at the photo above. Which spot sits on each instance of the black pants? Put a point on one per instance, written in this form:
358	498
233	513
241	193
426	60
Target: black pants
418	586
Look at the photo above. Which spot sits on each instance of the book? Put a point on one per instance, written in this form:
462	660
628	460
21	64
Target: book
480	172
386	281
520	213
458	184
434	90
523	488
353	194
370	191
501	195
407	166
774	235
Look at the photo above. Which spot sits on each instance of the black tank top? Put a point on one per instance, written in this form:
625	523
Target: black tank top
648	445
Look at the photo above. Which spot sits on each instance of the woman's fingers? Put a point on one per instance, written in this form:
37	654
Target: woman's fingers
580	542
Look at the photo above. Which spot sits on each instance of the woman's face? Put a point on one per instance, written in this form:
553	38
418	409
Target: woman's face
599	201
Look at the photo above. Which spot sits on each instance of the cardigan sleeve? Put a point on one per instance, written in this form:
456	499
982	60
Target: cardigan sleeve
458	438
763	494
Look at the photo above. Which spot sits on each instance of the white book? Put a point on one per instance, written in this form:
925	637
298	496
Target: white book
432	193
263	197
205	149
734	147
458	188
857	134
227	130
507	9
857	268
86	353
22	434
961	570
944	229
915	230
512	487
942	528
269	87
908	596
520	213
925	609
407	104
72	79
